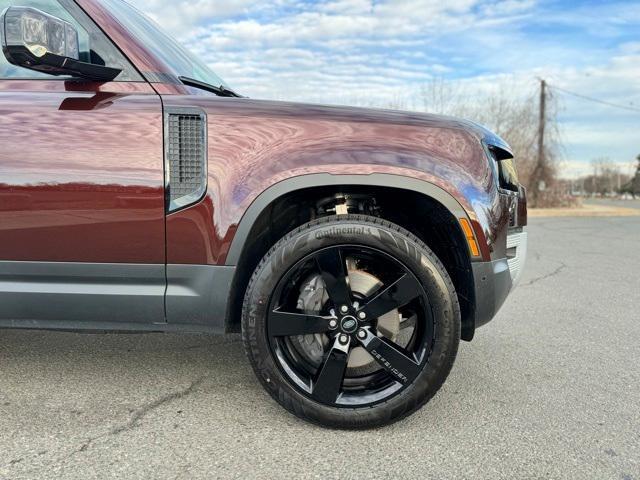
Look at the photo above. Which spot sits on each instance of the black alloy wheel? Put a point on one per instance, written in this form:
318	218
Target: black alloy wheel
351	322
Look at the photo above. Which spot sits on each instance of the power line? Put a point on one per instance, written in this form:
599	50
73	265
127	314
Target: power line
596	100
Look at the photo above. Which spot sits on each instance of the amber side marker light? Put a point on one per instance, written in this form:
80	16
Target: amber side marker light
471	240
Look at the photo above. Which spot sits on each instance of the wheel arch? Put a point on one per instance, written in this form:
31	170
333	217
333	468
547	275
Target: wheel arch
256	219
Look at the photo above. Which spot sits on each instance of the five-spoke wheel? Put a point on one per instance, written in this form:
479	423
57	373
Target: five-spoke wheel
351	322
344	320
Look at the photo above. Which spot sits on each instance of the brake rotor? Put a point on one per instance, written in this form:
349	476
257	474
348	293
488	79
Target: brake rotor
313	296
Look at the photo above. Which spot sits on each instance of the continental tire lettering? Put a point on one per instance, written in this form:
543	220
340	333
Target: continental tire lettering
340	231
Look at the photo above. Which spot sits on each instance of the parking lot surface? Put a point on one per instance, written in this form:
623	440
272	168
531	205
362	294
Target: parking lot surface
549	389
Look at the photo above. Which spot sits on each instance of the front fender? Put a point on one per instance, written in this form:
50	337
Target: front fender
254	146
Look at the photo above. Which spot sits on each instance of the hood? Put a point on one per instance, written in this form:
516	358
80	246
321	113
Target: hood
350	114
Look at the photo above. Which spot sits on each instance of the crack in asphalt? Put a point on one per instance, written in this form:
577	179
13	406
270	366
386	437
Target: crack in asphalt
560	268
137	416
141	412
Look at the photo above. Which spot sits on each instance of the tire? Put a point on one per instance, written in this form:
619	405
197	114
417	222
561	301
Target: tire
275	329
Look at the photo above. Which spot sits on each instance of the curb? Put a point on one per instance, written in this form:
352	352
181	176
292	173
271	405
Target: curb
585	211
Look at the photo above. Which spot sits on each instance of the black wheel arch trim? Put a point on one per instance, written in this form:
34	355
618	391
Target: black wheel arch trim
301	182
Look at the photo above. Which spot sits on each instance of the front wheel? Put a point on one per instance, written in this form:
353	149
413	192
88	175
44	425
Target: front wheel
351	322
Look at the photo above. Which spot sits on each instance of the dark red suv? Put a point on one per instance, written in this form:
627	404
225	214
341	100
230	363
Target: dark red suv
353	248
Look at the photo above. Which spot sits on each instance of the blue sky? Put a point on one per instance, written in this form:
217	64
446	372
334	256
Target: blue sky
380	52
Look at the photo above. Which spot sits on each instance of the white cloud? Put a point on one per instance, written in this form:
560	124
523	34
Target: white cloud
180	15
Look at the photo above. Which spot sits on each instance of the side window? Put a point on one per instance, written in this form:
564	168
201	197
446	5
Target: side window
95	47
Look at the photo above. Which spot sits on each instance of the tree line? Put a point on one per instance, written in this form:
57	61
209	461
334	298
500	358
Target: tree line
607	179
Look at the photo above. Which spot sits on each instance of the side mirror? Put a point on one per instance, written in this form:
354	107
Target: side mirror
39	41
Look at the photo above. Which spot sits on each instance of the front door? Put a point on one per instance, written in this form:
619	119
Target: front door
82	235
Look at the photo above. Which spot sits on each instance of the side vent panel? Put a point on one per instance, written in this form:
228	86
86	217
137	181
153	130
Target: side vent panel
185	146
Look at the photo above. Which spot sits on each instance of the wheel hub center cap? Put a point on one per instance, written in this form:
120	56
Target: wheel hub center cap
348	324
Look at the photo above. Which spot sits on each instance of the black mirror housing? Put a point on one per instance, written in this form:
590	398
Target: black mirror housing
36	40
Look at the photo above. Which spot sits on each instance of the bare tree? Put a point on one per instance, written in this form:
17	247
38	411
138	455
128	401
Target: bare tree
512	116
607	179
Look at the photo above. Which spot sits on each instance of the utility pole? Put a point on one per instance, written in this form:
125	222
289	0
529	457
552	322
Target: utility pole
635	182
540	167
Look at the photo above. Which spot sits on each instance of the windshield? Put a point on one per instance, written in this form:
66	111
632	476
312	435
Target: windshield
175	56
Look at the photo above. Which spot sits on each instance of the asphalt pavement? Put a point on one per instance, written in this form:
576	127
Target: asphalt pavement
549	389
